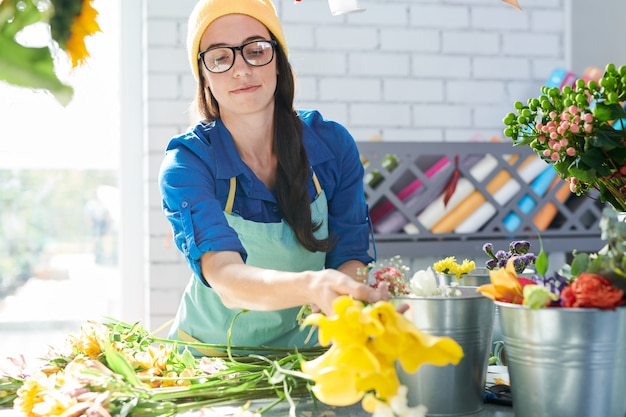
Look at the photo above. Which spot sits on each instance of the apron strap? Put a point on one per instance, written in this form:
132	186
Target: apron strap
318	187
233	187
231	195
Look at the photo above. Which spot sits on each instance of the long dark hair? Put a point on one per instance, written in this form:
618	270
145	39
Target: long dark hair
293	171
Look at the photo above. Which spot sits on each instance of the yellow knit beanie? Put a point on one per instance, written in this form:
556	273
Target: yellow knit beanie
206	11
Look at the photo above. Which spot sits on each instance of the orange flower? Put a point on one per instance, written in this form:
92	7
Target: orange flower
505	285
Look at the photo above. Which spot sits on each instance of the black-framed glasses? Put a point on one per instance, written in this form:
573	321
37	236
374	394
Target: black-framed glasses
221	58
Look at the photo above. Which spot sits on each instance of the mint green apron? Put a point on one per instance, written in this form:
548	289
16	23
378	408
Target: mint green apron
202	316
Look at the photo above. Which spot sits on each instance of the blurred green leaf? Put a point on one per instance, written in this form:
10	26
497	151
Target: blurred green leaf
31	68
120	365
607	112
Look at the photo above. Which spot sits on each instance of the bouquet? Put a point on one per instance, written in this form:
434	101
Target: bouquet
595	280
580	130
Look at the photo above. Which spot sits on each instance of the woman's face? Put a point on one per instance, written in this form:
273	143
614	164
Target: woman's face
243	89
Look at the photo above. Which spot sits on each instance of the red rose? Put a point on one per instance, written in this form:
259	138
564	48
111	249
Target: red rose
592	291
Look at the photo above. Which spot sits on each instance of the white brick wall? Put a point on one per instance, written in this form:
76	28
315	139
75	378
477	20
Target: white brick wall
409	70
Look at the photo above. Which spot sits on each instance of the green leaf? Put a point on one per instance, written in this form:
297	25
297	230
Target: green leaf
580	263
523	140
584	174
188	359
31	68
602	140
605	113
13	18
118	364
542	262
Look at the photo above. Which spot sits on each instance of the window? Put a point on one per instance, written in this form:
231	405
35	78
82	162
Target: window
59	201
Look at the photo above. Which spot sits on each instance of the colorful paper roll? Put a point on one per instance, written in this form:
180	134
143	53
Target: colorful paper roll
438	209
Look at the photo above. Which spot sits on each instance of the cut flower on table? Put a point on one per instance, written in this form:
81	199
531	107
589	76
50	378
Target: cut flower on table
366	342
117	369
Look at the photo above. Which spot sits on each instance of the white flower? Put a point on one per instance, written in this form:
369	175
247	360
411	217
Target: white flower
398	406
424	283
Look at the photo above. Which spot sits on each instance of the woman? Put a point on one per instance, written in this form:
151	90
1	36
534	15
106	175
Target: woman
266	203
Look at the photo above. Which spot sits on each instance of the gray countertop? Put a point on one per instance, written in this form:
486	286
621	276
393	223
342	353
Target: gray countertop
309	409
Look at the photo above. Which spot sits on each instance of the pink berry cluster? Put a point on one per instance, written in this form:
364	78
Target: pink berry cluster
579	130
557	134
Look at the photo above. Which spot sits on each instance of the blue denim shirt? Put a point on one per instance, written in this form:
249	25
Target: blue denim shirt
194	183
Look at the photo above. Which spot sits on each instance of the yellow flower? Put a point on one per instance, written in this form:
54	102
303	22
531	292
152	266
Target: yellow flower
55	402
367	341
504	285
31	393
445	265
70	24
83	25
342	375
403	341
90	340
465	268
450	266
348	325
153	357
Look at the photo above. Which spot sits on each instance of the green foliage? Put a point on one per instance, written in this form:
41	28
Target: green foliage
24	66
610	261
573	129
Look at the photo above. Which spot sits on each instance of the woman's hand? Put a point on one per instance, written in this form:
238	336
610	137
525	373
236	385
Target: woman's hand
329	284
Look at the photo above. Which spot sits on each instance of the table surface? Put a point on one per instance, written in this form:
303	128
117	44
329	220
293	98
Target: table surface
308	409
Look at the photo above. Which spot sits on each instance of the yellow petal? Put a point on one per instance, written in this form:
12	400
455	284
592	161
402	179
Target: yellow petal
337	386
385	383
370	403
337	373
350	324
420	348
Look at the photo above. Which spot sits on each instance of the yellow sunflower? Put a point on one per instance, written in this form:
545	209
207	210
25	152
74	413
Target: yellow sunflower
72	21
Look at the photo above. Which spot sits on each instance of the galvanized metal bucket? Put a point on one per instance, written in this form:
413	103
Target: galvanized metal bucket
452	390
476	278
565	361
